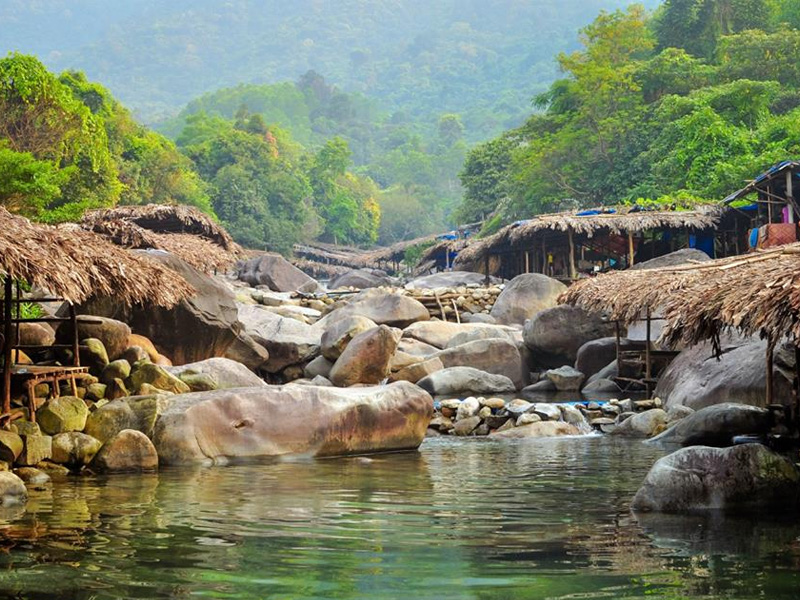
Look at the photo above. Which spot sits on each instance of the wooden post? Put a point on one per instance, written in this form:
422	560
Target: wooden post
486	267
573	274
630	249
789	195
770	349
76	354
527	261
8	341
544	257
619	341
648	371
769	204
797	388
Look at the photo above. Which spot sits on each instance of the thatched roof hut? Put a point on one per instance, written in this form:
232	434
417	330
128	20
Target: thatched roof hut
181	230
331	254
396	252
75	264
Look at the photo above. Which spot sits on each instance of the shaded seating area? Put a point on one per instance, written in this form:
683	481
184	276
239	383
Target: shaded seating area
571	244
65	264
755	295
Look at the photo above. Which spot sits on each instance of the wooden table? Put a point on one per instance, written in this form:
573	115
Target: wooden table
31	376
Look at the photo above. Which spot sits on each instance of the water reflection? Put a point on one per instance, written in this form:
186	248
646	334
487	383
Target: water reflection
460	519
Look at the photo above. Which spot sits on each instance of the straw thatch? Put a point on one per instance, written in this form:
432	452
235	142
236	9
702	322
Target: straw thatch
319	270
320	252
754	294
180	230
75	264
624	220
396	252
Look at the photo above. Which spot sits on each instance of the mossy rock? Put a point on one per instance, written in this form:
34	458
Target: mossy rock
63	414
10	445
157	377
93	354
74	449
107	421
118	369
199	382
96	391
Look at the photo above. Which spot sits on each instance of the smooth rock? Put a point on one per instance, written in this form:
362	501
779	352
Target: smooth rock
63	414
319	366
555	335
366	358
474	334
384	308
12	489
245	350
518	406
448	279
601	387
548	412
527	419
134	354
643	425
468	408
540	429
112	333
10	446
226	372
717	425
158	377
496	356
466	426
456	380
418	370
117	369
749	476
35	448
361	279
339	333
416	348
33	478
129	450
277	273
93	354
74	449
288	341
566	379
440	333
145	343
524	297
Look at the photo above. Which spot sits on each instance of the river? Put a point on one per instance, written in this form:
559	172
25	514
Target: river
470	518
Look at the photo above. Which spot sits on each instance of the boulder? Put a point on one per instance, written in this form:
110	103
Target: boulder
93	354
384	308
749	477
129	450
541	389
416	348
33	478
608	372
63	414
116	369
547	412
478	318
226	372
35	448
12	489
108	420
643	425
158	377
340	331
291	419
288	341
473	334
366	358
319	366
361	279
145	344
717	425
466	425
418	370
566	379
538	429
440	333
673	259
277	273
36	334
555	335
74	449
525	296
601	387
111	332
134	354
695	378
198	382
247	351
496	356
197	328
10	446
596	355
449	279
456	380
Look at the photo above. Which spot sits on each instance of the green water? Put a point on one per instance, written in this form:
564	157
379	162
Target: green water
459	519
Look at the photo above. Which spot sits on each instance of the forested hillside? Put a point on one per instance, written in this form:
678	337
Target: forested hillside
483	60
674	107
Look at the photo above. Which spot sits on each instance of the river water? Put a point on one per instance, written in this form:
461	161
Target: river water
459	519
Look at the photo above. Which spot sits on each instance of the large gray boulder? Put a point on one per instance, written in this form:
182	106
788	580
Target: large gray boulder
440	333
749	476
489	332
643	425
288	341
111	332
129	450
457	380
496	356
717	425
673	259
366	358
12	489
539	429
222	425
449	279
384	308
277	273
340	331
361	279
197	328
226	372
696	378
247	351
596	355
555	335
525	296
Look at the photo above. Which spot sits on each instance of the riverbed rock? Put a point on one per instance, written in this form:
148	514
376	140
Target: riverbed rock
158	377
145	344
440	333
199	327
12	489
555	335
10	446
643	425
596	355
466	425
33	478
416	348
449	279
383	308
539	390
36	334
108	420
339	333
36	447
134	354
473	334
566	379
496	356
226	372
288	341
418	370
116	369
601	387
695	378
291	419
127	451
547	412
717	425
538	429
749	476
111	332
361	279
93	354
74	449
525	296
456	380
198	382
277	273
245	350
59	415
319	366
366	358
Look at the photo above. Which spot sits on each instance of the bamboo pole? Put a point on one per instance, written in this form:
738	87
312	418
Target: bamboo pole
7	344
770	382
648	366
789	196
527	262
618	343
630	249
573	274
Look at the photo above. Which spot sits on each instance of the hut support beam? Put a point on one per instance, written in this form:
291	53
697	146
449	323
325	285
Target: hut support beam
630	249
789	196
770	382
573	274
648	363
797	388
7	343
527	262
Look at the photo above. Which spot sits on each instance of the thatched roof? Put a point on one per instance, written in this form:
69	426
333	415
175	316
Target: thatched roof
75	264
396	252
319	269
622	220
181	230
754	294
330	253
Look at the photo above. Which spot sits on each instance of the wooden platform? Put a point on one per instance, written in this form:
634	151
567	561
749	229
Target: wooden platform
31	376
